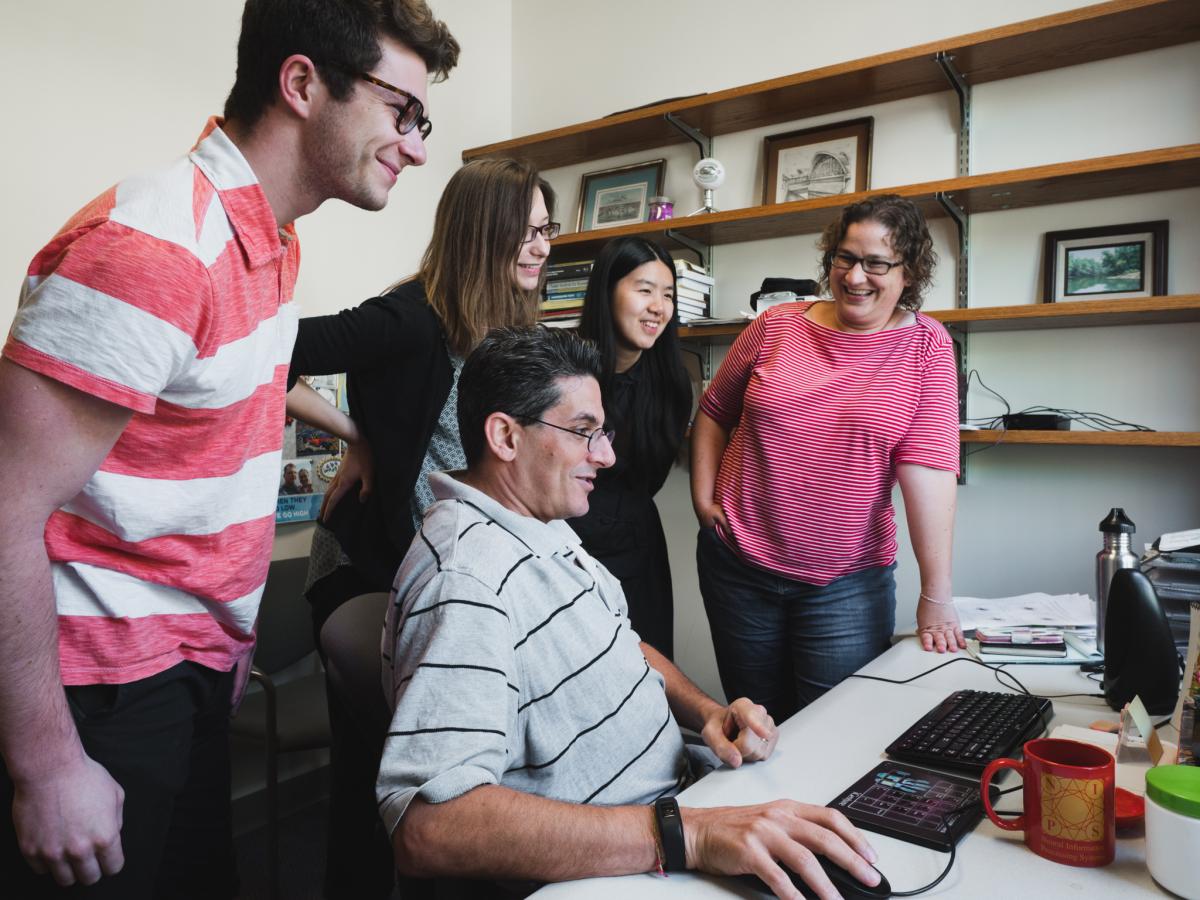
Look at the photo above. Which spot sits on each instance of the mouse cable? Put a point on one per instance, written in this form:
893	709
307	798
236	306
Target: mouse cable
997	671
963	806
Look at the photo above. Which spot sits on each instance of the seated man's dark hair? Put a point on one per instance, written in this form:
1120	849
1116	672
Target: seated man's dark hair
340	36
516	371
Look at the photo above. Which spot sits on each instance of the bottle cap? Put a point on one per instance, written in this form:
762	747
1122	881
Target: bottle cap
1116	522
1175	787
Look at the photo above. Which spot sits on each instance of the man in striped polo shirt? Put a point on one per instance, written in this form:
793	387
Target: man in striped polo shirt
141	403
531	729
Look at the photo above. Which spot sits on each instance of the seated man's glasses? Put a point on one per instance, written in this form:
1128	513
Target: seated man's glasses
409	116
872	266
549	231
608	434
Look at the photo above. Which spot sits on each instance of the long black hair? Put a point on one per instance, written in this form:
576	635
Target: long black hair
660	409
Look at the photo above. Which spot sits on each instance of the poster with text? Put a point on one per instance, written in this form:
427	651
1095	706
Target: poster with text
310	458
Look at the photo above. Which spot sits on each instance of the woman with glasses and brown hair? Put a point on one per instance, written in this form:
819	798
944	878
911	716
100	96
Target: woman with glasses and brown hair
402	353
818	411
629	313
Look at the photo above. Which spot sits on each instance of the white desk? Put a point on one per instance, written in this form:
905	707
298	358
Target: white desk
827	746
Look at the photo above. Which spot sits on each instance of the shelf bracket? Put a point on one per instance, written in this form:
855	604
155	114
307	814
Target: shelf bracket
960	336
963	90
701	250
702	141
963	223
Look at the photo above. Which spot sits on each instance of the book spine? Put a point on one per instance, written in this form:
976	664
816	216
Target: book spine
569	270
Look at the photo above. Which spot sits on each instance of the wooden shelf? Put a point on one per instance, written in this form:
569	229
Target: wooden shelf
1069	38
1076	314
1086	438
1145	171
703	332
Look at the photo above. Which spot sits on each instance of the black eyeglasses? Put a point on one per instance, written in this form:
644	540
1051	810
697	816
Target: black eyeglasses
590	436
872	266
549	231
411	115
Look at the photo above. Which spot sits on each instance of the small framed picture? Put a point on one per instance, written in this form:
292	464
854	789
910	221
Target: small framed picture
817	162
619	196
1111	262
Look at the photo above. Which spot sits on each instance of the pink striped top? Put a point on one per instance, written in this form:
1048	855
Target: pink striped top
170	295
820	419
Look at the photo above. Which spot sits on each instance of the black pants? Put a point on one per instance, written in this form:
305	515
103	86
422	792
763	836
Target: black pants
164	739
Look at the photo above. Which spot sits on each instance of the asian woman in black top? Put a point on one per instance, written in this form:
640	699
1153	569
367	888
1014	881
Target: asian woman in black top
629	313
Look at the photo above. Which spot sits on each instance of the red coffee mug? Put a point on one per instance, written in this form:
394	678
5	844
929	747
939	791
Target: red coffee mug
1070	806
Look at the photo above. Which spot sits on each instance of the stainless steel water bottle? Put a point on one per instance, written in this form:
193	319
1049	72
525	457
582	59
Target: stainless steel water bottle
1117	530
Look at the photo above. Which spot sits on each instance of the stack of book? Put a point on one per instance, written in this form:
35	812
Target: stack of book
1021	641
693	288
563	293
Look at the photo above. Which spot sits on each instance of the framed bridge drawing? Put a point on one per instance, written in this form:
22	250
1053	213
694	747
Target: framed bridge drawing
817	162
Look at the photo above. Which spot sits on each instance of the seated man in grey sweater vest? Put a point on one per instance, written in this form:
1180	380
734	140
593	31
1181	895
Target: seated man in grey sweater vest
533	735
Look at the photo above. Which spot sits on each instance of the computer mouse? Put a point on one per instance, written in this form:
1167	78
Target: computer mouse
847	885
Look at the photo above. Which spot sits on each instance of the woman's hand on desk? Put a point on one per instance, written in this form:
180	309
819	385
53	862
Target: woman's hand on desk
755	840
938	626
740	732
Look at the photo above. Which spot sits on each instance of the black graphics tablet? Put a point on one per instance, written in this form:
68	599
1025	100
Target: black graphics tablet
913	804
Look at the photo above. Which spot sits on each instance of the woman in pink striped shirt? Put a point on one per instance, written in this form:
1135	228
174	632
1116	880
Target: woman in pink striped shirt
818	411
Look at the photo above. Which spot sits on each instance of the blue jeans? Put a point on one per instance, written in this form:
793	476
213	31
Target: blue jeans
782	642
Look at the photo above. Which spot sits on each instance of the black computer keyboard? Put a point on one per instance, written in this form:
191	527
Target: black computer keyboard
969	729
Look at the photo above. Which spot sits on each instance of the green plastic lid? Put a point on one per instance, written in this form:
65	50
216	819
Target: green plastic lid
1175	787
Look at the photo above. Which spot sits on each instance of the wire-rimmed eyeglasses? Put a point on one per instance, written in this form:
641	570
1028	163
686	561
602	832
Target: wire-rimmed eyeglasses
609	434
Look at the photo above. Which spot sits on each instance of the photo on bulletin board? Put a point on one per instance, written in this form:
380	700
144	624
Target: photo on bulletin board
310	458
1109	262
619	196
817	162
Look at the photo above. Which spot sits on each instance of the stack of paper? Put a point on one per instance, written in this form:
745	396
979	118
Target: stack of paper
1044	610
1069	614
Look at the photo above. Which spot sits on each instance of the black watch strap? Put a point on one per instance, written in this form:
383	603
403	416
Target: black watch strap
670	830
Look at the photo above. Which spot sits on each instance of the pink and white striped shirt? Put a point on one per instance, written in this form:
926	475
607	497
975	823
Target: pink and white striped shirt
820	419
170	294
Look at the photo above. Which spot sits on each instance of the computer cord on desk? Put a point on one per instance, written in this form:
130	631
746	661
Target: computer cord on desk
997	670
962	807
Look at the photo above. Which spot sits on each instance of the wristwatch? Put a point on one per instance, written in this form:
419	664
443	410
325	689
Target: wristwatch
670	830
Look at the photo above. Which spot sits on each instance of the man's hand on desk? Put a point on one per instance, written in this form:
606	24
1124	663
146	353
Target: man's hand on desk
755	840
740	732
938	626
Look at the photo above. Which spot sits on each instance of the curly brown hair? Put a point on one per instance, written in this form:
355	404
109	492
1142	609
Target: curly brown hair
907	233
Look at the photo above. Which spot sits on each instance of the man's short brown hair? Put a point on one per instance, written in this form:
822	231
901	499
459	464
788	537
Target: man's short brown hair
340	36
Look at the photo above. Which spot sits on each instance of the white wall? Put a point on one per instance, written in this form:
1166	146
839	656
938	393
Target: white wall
1027	515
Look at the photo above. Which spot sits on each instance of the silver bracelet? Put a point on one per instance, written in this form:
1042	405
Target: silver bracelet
924	596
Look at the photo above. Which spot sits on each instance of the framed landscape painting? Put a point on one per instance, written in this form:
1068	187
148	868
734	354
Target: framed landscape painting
1111	262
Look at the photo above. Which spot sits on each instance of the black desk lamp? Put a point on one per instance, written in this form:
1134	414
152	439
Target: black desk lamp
1139	654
